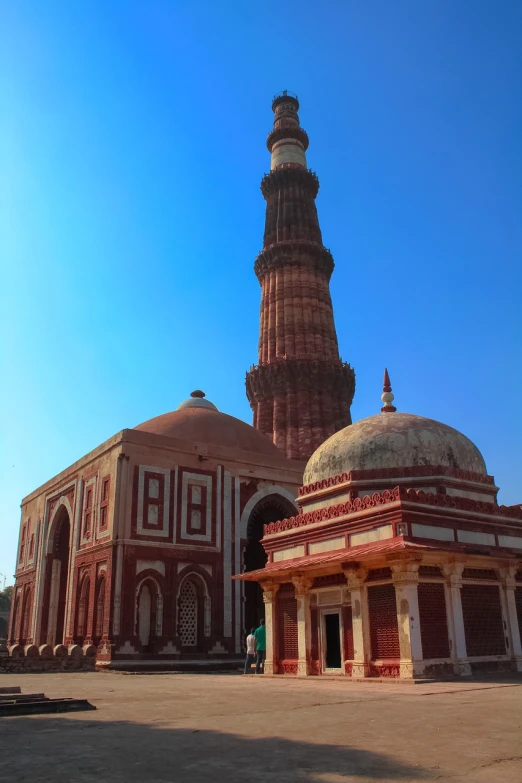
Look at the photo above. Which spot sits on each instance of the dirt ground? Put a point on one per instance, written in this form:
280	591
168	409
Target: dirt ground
179	727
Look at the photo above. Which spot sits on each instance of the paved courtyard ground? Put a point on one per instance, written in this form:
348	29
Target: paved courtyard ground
177	728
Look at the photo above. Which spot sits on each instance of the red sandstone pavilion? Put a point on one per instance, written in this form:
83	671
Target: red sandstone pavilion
395	559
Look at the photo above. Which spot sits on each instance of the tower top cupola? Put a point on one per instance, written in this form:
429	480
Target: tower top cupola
287	142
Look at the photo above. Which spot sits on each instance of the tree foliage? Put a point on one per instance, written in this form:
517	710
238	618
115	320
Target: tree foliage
5	598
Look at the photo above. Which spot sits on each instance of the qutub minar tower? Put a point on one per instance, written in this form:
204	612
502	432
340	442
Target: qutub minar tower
301	390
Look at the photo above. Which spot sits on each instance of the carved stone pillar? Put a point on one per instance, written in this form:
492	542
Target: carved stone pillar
304	631
457	635
509	586
269	600
360	622
405	580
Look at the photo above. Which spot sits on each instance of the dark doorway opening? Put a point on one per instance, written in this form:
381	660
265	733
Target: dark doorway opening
269	509
61	553
333	641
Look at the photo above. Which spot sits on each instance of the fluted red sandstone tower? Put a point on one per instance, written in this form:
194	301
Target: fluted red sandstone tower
301	391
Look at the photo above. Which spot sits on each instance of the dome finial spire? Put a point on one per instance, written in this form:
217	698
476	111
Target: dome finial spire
387	396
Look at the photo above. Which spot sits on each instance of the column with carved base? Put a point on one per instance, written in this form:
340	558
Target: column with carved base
456	632
269	599
405	580
509	586
360	621
304	632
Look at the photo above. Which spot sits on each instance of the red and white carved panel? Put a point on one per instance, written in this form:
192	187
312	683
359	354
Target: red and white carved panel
88	511
196	508
102	528
153	502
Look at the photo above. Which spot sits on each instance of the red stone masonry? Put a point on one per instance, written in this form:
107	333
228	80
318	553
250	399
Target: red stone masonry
300	391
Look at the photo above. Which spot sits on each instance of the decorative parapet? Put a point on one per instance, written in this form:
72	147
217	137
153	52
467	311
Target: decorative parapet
391	496
305	373
419	471
338	510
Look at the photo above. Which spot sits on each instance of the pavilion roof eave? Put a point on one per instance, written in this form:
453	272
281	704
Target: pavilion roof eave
309	562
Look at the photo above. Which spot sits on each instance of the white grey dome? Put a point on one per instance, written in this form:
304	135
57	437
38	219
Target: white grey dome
393	440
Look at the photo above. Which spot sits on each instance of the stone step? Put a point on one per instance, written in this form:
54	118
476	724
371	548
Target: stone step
18	697
45	707
201	666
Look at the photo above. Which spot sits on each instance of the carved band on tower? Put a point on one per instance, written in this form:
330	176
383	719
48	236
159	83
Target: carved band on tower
301	390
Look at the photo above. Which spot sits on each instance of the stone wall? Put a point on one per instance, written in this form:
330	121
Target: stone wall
30	658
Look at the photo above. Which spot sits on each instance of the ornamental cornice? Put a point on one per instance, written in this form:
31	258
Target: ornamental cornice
282	376
332	512
284	131
287	177
302	252
398	494
415	471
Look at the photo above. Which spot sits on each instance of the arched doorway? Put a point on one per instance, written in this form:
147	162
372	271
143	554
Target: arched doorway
269	509
82	610
149	613
27	613
57	577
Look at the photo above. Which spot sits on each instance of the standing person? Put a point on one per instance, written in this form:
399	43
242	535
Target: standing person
251	650
260	637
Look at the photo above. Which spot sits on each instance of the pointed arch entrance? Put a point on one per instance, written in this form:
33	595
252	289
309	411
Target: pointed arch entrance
58	554
268	509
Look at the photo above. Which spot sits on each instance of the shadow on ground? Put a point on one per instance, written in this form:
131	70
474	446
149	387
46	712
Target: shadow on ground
65	749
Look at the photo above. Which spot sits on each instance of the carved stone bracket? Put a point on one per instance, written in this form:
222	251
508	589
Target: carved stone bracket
302	585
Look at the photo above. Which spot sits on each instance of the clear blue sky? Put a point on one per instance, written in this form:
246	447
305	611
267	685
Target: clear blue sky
132	145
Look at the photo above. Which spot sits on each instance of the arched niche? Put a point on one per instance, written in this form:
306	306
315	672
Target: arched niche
193	611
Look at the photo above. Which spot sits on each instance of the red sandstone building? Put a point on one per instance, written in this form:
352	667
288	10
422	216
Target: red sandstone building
396	559
400	562
129	553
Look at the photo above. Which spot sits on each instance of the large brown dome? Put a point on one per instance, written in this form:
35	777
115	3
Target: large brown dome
193	421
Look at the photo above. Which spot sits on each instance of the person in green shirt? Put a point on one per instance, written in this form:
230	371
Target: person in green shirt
260	637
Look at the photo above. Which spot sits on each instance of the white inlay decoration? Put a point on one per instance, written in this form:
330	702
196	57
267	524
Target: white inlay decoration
195	520
127	649
155	565
432	531
152	514
169	649
153	488
196	480
510	541
161	531
288	554
377	534
329	597
329	545
472	537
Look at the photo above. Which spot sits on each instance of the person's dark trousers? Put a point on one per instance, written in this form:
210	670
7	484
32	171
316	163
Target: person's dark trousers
250	659
261	655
